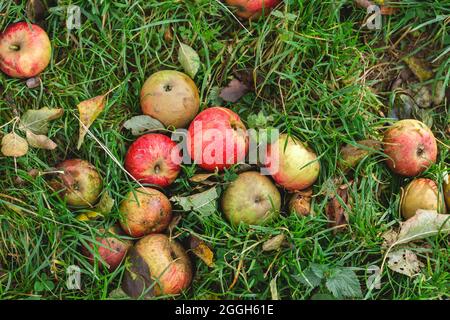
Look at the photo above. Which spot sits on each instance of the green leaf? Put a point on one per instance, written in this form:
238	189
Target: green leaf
141	124
343	283
313	275
204	203
189	59
105	205
37	120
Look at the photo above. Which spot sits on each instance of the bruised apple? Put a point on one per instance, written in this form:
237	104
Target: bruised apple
145	210
156	265
217	138
410	147
154	158
252	199
170	97
79	181
292	164
251	9
109	249
423	194
25	50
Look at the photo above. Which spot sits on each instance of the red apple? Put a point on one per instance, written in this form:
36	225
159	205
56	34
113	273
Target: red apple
157	265
79	182
154	158
217	138
251	9
110	248
144	211
410	147
171	97
423	194
25	50
291	163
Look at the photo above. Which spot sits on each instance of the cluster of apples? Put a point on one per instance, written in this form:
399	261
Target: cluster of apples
411	148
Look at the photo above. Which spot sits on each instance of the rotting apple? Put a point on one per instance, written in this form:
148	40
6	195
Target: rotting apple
154	158
423	194
252	199
300	203
170	97
217	138
79	182
292	164
410	147
447	190
145	210
157	265
110	248
25	50
252	9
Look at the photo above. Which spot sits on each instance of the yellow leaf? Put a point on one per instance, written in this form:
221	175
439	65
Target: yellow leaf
201	250
40	141
89	111
14	145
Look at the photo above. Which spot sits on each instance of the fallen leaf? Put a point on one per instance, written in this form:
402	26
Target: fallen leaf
90	215
14	145
234	91
343	282
33	82
404	261
351	155
117	294
425	223
300	203
204	203
40	141
105	204
37	120
141	124
36	10
273	289
175	221
202	177
420	68
201	250
336	212
189	60
274	243
390	237
168	34
89	111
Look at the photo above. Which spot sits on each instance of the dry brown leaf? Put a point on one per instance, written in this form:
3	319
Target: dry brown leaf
234	91
14	145
40	141
89	111
404	261
201	250
337	213
274	243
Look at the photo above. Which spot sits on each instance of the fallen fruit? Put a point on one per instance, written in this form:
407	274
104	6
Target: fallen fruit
422	194
79	182
251	9
111	249
144	211
217	138
252	199
352	155
154	158
410	147
170	97
292	164
25	50
157	265
300	203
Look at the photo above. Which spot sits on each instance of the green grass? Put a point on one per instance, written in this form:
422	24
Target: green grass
323	77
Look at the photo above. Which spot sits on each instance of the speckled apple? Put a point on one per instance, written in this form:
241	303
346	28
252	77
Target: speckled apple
25	50
159	266
144	211
79	182
170	97
292	164
217	138
154	158
410	147
252	9
252	199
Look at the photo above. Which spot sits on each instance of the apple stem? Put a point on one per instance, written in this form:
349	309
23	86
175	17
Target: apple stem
14	47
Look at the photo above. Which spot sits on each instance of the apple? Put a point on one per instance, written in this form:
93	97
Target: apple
25	50
447	190
170	97
292	164
110	248
157	265
217	138
154	158
144	211
423	194
300	203
252	199
410	147
79	182
251	9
